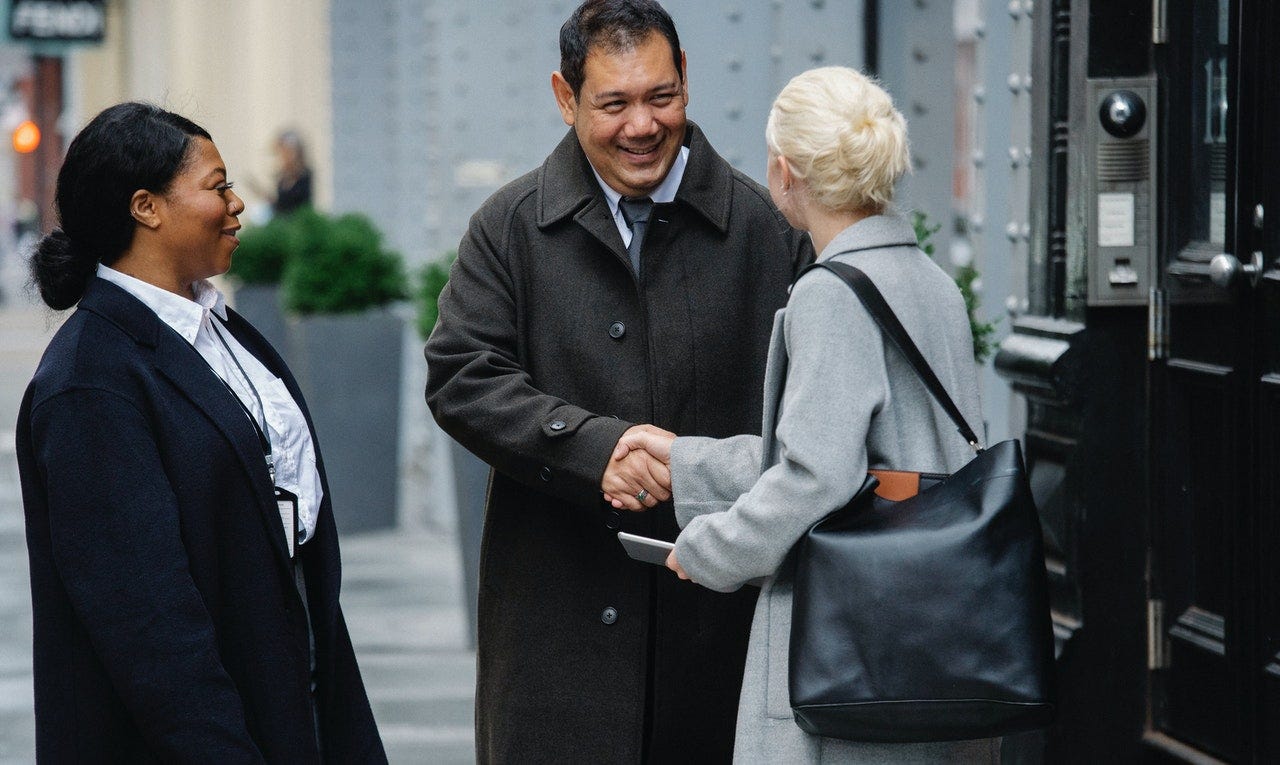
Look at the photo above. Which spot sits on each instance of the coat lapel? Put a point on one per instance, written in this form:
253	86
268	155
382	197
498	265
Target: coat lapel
175	360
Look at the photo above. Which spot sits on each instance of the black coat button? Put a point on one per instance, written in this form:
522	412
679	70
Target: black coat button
609	615
617	330
557	425
614	521
545	474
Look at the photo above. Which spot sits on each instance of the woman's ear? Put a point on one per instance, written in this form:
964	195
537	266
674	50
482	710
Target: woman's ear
143	206
785	176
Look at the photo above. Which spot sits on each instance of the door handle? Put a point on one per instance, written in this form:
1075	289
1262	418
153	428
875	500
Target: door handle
1226	271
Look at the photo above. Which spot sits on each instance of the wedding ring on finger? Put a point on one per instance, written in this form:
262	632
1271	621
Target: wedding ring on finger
642	495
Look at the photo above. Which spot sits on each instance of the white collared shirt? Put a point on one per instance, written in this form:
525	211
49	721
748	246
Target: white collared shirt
666	192
291	445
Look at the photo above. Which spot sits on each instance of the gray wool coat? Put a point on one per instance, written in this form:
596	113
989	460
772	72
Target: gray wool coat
548	347
837	401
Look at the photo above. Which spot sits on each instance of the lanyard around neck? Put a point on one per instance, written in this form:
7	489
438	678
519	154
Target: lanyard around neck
264	433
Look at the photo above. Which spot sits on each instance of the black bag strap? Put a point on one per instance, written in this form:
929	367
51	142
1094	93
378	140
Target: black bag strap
884	316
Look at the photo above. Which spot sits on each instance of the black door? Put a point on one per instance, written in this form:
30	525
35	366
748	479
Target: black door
1215	385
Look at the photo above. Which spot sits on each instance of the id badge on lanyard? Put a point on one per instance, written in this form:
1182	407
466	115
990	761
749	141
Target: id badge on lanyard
287	504
286	501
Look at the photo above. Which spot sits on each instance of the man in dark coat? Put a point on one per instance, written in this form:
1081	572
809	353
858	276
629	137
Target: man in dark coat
553	339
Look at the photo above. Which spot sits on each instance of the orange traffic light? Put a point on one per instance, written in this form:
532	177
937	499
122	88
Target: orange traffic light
26	137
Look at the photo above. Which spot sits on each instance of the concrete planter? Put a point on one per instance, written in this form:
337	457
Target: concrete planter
259	304
470	486
348	367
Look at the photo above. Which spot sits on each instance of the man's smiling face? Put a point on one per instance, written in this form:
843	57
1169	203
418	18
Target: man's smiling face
630	113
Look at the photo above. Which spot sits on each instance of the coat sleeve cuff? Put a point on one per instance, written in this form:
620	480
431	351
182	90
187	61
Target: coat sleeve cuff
709	474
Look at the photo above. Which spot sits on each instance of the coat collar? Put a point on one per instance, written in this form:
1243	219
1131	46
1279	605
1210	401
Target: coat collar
566	185
176	360
885	230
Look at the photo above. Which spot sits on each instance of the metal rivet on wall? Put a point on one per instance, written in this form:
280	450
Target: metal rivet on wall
979	159
975	224
1015	83
1011	231
919	55
919	109
979	94
1015	157
1026	8
1015	8
734	64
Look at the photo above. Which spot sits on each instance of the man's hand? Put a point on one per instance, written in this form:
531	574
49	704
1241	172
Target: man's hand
635	478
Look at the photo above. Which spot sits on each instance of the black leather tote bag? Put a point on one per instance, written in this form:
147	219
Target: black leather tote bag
923	615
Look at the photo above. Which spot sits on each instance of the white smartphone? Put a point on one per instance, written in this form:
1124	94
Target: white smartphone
655	551
646	549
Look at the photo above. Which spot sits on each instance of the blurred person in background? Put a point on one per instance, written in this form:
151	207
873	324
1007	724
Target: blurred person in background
293	176
632	278
184	559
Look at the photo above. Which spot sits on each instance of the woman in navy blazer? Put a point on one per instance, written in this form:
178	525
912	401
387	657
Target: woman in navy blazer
171	623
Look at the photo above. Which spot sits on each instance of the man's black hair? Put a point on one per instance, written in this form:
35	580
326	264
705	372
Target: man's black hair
616	25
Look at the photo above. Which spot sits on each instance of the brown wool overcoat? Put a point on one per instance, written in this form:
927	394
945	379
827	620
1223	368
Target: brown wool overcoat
547	348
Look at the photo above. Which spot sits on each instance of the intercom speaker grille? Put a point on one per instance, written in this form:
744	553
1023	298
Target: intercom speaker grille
1124	161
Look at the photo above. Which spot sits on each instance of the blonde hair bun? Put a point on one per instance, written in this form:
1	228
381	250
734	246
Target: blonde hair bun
841	133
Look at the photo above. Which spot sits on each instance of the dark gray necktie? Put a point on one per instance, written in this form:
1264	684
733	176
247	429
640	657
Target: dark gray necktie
636	213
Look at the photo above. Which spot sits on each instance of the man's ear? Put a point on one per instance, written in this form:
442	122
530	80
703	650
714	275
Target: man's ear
684	77
143	207
565	99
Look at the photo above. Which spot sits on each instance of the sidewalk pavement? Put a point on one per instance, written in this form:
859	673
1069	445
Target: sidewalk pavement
401	593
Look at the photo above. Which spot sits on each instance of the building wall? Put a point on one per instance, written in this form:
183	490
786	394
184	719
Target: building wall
437	103
242	69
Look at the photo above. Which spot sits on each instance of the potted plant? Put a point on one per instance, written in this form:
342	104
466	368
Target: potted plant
967	279
255	272
345	344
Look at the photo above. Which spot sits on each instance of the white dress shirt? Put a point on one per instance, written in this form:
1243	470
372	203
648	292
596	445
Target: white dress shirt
666	192
292	449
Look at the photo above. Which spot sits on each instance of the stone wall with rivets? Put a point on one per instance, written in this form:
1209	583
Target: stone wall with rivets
917	67
437	103
997	224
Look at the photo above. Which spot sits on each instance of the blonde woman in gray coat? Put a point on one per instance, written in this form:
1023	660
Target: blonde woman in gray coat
837	400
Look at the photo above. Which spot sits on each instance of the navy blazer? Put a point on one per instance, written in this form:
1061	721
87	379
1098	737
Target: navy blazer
168	625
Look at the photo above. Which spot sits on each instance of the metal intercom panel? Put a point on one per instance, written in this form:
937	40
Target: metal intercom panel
1121	184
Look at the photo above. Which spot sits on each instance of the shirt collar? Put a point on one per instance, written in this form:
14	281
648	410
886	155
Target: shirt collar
666	191
185	316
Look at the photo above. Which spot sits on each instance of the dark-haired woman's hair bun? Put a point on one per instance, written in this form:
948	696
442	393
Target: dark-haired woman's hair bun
61	270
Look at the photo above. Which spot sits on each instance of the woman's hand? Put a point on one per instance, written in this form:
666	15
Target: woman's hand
651	438
675	566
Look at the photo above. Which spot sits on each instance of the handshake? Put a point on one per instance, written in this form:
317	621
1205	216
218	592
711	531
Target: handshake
639	472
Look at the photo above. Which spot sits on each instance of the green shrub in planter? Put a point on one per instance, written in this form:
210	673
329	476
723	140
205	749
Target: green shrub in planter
431	280
965	277
262	253
340	266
